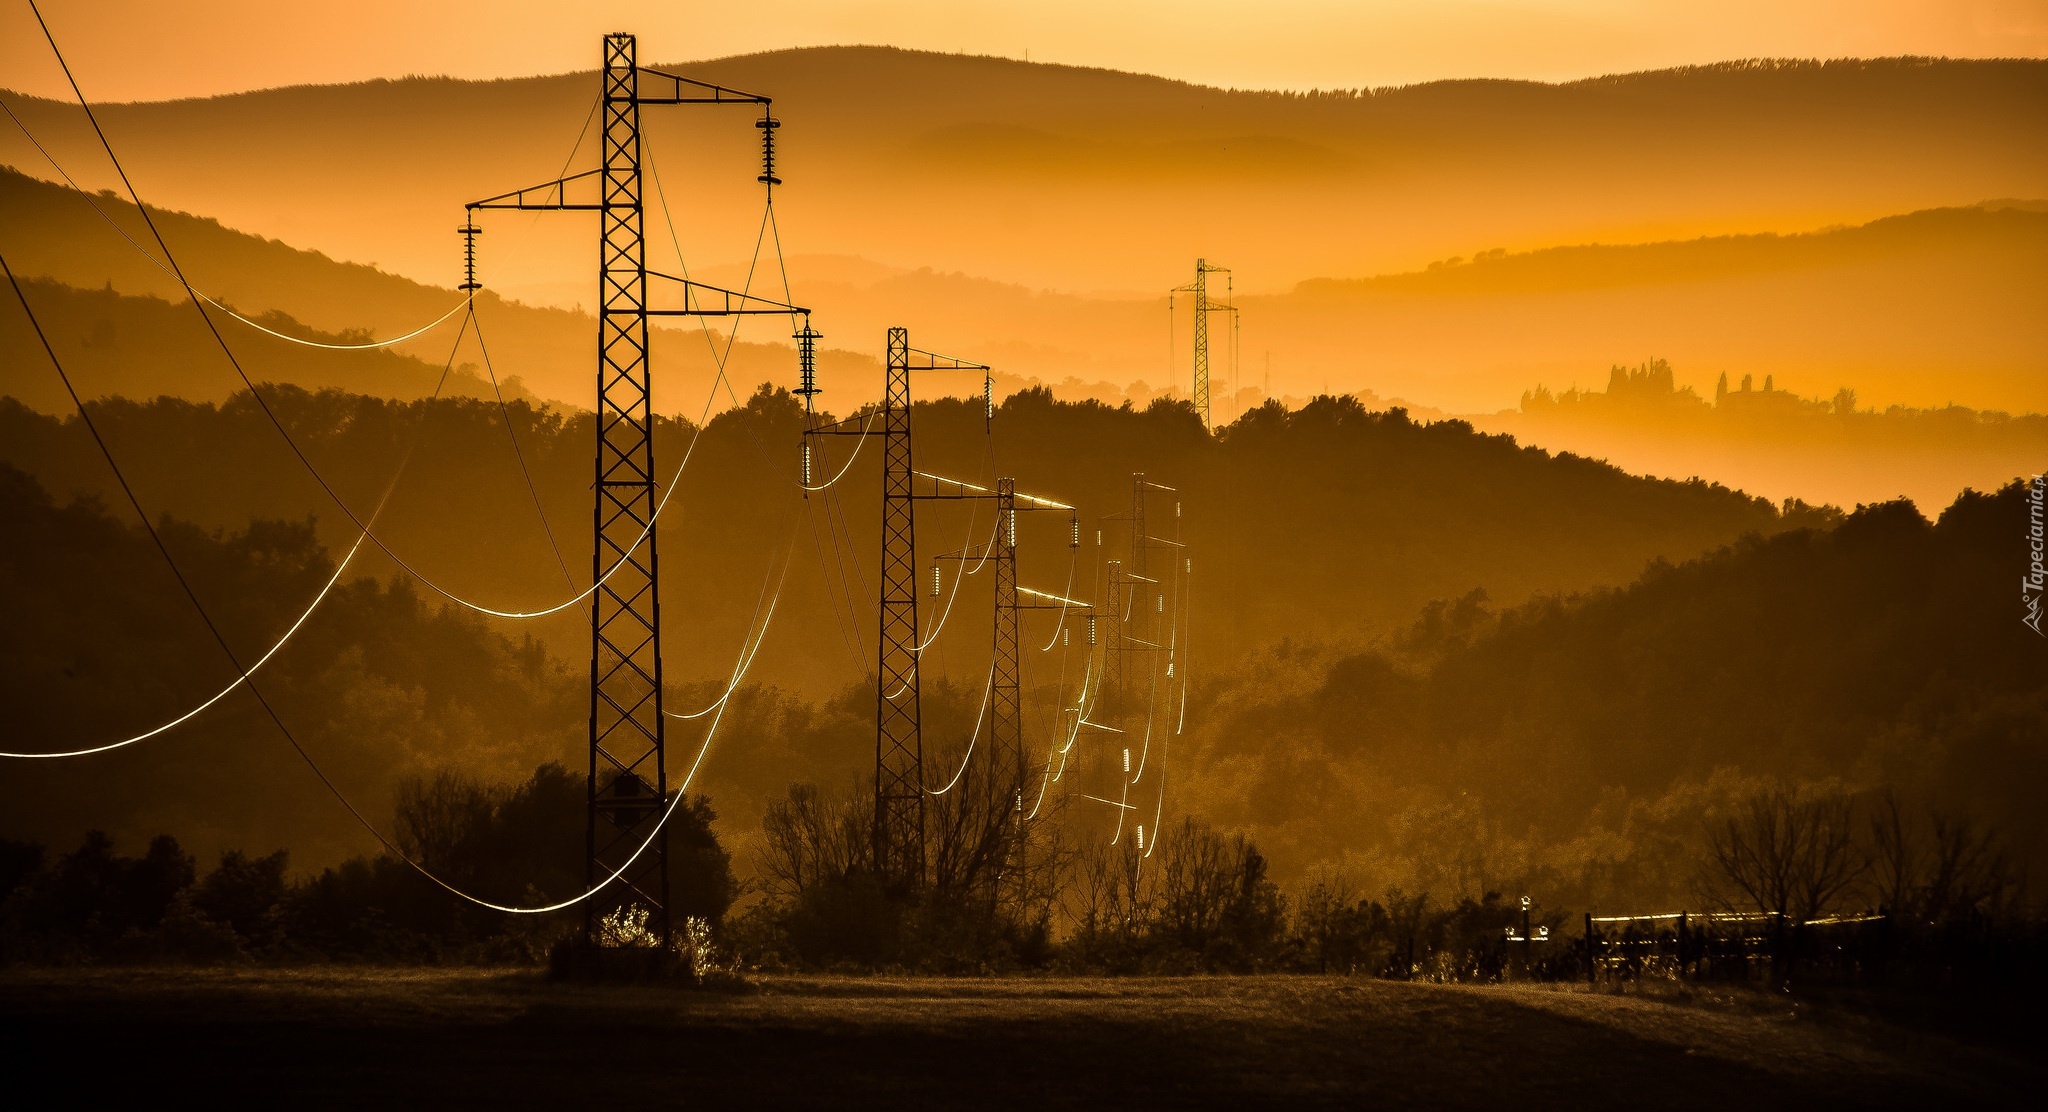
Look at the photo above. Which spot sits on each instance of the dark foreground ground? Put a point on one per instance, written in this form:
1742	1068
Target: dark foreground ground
351	1038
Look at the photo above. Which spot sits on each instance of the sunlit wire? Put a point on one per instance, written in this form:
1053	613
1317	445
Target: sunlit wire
859	443
1066	599
86	417
751	644
159	264
1111	802
1079	708
318	598
291	442
1151	712
987	690
947	612
223	693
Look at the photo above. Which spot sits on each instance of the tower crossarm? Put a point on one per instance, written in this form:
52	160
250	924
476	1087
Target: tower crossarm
974	552
1028	599
662	87
944	489
861	423
562	194
922	360
701	299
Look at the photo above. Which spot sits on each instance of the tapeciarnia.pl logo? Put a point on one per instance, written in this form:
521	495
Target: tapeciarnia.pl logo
2036	579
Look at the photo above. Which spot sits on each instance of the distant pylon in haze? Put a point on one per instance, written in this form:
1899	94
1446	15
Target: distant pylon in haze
1204	305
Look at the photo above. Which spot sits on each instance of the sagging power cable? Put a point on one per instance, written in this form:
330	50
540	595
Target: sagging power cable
210	300
750	645
987	690
292	442
270	710
290	631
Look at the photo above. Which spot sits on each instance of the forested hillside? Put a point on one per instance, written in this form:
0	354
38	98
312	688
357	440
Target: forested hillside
1759	436
1329	522
1885	653
116	345
100	644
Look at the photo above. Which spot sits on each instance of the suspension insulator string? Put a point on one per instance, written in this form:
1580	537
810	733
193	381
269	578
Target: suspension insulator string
807	363
768	124
469	231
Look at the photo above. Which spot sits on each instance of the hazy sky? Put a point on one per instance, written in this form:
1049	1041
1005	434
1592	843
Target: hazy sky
130	49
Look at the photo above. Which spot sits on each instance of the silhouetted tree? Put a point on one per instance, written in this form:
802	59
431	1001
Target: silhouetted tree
244	893
1788	852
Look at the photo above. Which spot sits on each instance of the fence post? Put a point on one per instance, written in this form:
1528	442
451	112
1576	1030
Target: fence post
1592	966
1682	922
1779	958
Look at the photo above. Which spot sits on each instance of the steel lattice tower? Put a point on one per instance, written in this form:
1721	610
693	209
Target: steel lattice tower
1006	724
627	789
627	732
1203	307
1201	341
1112	636
899	744
1006	713
1127	585
898	838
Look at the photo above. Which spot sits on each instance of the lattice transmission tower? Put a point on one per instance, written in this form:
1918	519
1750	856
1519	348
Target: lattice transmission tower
898	839
1205	305
627	789
1006	709
1131	585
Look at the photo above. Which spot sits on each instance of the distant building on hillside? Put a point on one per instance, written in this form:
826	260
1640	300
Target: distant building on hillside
1647	386
1770	400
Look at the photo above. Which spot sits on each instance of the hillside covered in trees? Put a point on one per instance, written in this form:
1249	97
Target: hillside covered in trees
1757	435
1578	745
1330	522
1884	652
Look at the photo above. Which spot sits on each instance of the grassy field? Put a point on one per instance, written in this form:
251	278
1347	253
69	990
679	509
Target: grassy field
331	1038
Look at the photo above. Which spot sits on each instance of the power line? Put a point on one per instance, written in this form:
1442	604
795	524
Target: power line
291	442
979	716
854	455
294	628
108	219
159	264
505	413
751	644
921	646
185	585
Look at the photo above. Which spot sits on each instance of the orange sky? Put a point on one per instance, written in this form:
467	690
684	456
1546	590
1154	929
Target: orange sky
132	49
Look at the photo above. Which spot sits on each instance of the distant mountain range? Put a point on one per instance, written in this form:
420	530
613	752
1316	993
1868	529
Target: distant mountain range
1925	308
1040	177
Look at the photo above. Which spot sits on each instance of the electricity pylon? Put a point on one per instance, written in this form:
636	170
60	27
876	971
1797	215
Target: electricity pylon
1006	712
1129	582
1204	305
898	845
627	792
